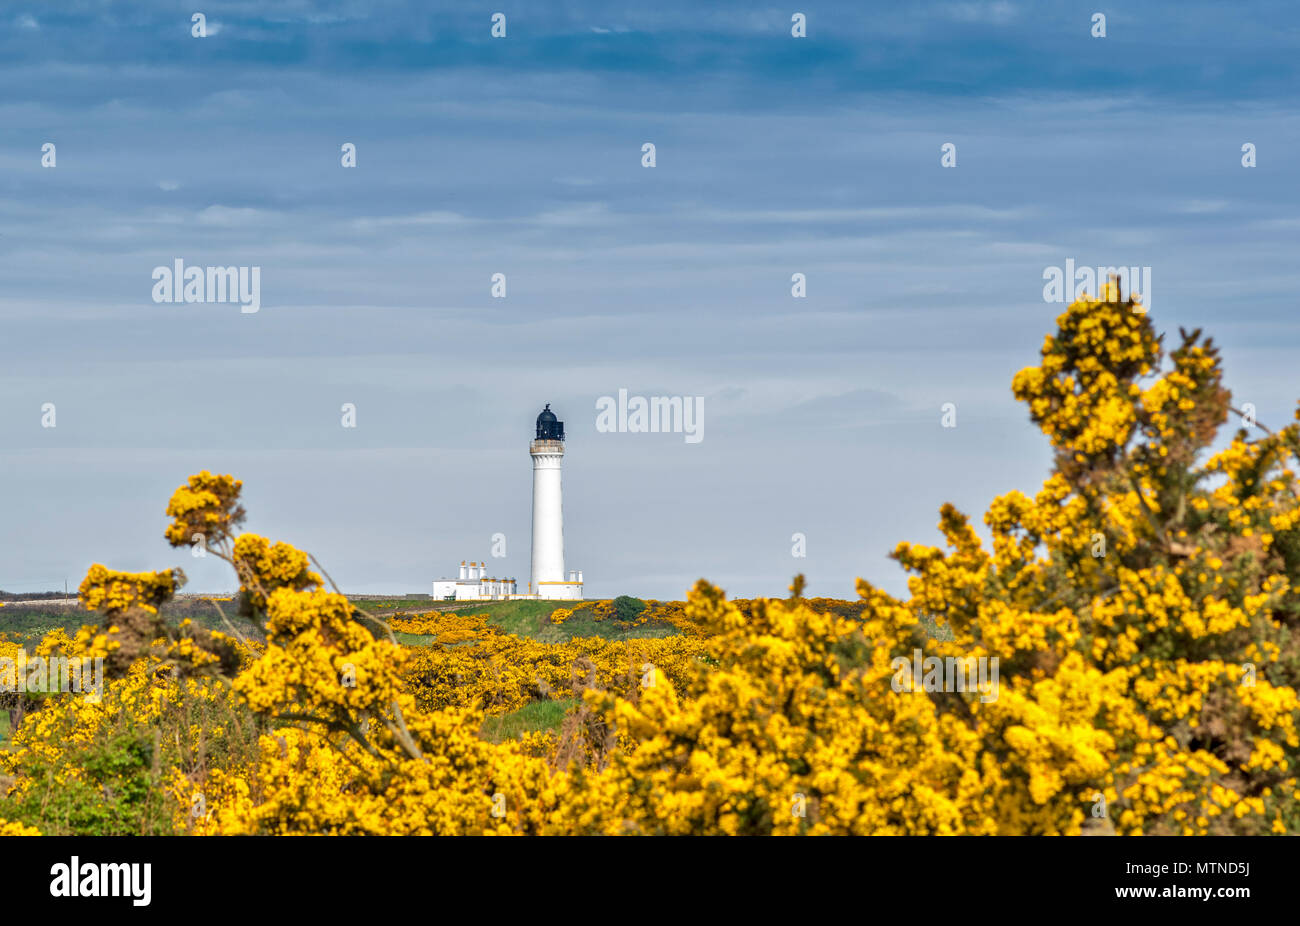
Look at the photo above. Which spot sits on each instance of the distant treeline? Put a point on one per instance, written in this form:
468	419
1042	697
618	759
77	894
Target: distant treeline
31	596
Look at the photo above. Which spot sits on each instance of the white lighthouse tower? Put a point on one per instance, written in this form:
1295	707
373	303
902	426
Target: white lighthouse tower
548	579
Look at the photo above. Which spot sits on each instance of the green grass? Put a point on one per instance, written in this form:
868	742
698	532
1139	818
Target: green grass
33	618
37	619
517	617
385	605
524	618
413	639
534	717
532	619
581	624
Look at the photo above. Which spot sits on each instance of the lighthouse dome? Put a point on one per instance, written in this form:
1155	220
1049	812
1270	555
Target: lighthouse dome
548	426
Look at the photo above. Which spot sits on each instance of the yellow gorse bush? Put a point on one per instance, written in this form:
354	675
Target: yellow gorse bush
112	592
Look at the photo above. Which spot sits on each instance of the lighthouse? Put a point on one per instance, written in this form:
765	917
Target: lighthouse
548	578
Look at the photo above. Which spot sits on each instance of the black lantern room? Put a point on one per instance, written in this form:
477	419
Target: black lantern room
548	428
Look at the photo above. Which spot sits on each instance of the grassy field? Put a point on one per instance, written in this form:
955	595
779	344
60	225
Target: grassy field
538	716
382	606
414	639
532	619
39	618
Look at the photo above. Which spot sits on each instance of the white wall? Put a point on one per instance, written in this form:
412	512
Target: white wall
561	590
444	588
548	519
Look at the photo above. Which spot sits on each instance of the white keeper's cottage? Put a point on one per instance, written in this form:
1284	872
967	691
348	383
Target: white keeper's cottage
473	584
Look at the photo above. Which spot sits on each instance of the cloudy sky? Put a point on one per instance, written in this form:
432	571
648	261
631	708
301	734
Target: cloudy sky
522	156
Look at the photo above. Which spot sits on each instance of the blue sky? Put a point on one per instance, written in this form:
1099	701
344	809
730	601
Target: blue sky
522	156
